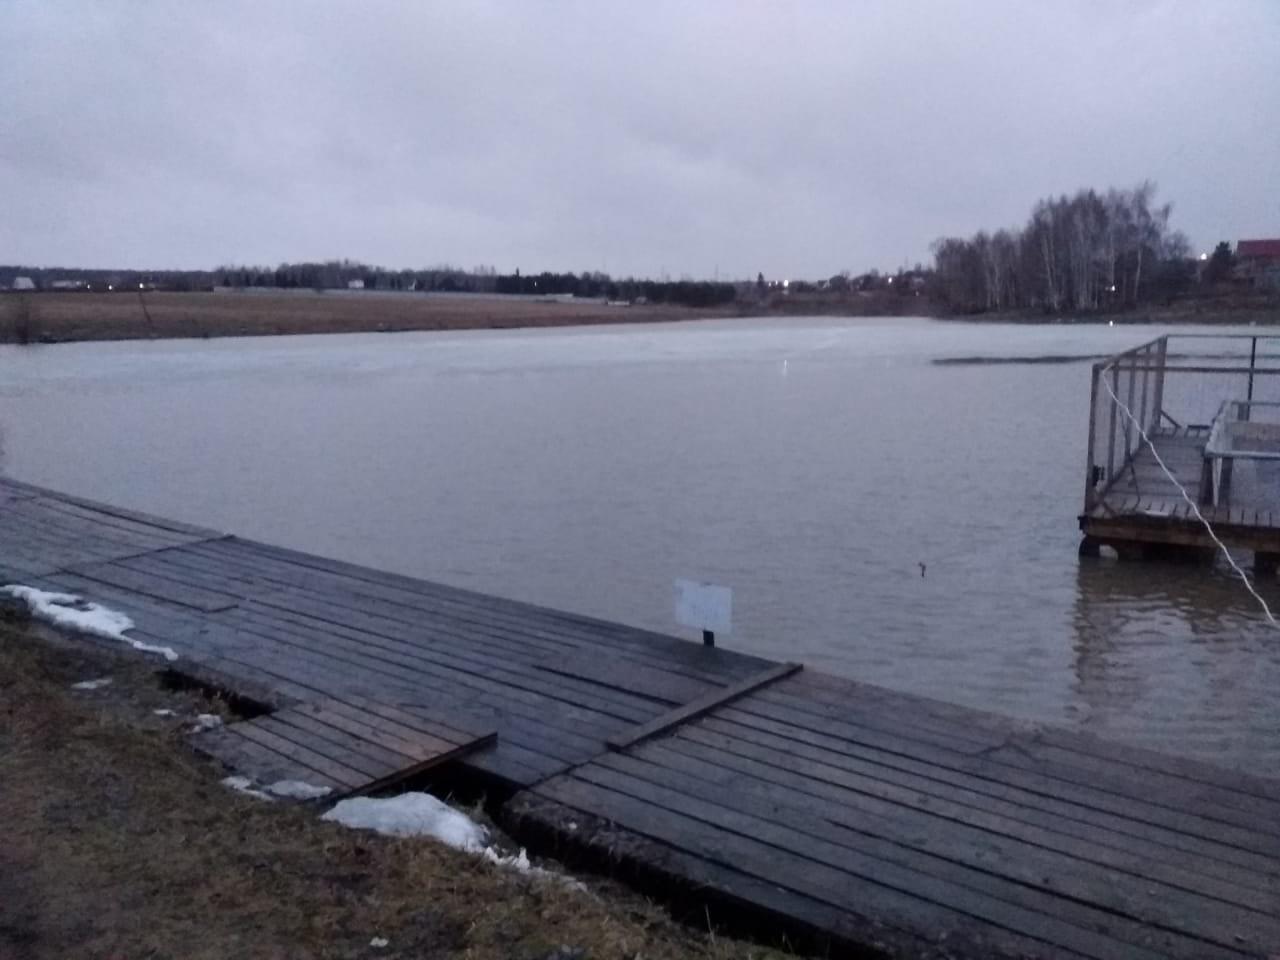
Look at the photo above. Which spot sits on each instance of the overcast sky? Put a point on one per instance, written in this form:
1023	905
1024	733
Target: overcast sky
638	138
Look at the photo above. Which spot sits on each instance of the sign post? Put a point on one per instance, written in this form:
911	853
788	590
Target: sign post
704	606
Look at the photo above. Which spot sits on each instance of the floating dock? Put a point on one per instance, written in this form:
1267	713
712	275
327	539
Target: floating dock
1182	430
836	814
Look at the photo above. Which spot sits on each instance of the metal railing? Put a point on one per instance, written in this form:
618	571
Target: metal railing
1242	430
1174	383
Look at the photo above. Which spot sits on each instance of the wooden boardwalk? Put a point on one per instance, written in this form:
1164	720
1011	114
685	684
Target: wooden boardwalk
821	805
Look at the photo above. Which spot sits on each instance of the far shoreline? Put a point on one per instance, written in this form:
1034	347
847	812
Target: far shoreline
79	317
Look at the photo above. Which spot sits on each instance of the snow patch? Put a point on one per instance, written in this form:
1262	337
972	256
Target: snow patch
92	684
206	721
410	815
244	785
379	942
163	712
297	790
76	613
422	815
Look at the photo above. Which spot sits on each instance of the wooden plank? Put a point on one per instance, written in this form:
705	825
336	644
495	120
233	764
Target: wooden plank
598	667
565	725
375	758
822	687
841	738
704	704
1127	909
383	759
260	764
386	643
1014	799
309	759
162	588
512	613
1025	752
456	726
768	851
391	635
109	510
712	884
921	818
410	745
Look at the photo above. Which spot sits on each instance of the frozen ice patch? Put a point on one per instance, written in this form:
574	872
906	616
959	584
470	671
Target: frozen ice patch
297	790
244	785
410	815
92	684
76	613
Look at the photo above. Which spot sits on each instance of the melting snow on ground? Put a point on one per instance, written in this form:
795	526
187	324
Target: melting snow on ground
297	790
422	815
75	613
91	684
289	789
244	785
206	721
411	815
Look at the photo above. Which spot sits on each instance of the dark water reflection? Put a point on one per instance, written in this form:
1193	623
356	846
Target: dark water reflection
810	464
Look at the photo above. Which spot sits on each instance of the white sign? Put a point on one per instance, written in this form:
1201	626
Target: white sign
703	606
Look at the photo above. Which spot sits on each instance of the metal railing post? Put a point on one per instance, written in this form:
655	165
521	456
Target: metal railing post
1089	458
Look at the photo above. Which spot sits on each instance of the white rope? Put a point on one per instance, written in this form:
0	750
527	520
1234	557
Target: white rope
1244	577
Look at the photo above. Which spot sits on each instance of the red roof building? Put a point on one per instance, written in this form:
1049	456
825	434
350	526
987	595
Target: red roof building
1258	262
1264	249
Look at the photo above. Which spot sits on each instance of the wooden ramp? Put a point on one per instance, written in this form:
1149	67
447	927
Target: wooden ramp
857	815
870	817
348	747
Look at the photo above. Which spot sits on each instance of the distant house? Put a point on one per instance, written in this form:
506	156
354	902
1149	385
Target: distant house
1258	262
355	284
23	283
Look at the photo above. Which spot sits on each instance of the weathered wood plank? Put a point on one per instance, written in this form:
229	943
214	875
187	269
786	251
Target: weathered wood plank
926	818
1013	800
319	763
1081	895
1024	752
713	700
755	847
162	588
820	690
600	668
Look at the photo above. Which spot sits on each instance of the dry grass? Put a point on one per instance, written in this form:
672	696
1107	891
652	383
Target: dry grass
120	316
119	842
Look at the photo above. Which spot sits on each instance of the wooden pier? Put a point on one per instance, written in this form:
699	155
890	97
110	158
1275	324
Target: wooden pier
1182	430
843	814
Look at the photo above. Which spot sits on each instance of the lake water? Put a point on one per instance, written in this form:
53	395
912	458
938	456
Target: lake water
811	465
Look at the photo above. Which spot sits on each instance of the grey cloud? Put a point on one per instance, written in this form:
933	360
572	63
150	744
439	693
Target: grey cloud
797	139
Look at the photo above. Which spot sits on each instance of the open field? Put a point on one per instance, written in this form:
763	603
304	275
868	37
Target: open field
120	842
125	316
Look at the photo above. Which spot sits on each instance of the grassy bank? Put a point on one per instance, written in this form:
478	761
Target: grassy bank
120	842
122	316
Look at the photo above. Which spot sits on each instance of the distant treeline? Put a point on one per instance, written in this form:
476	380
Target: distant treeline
1088	252
339	274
